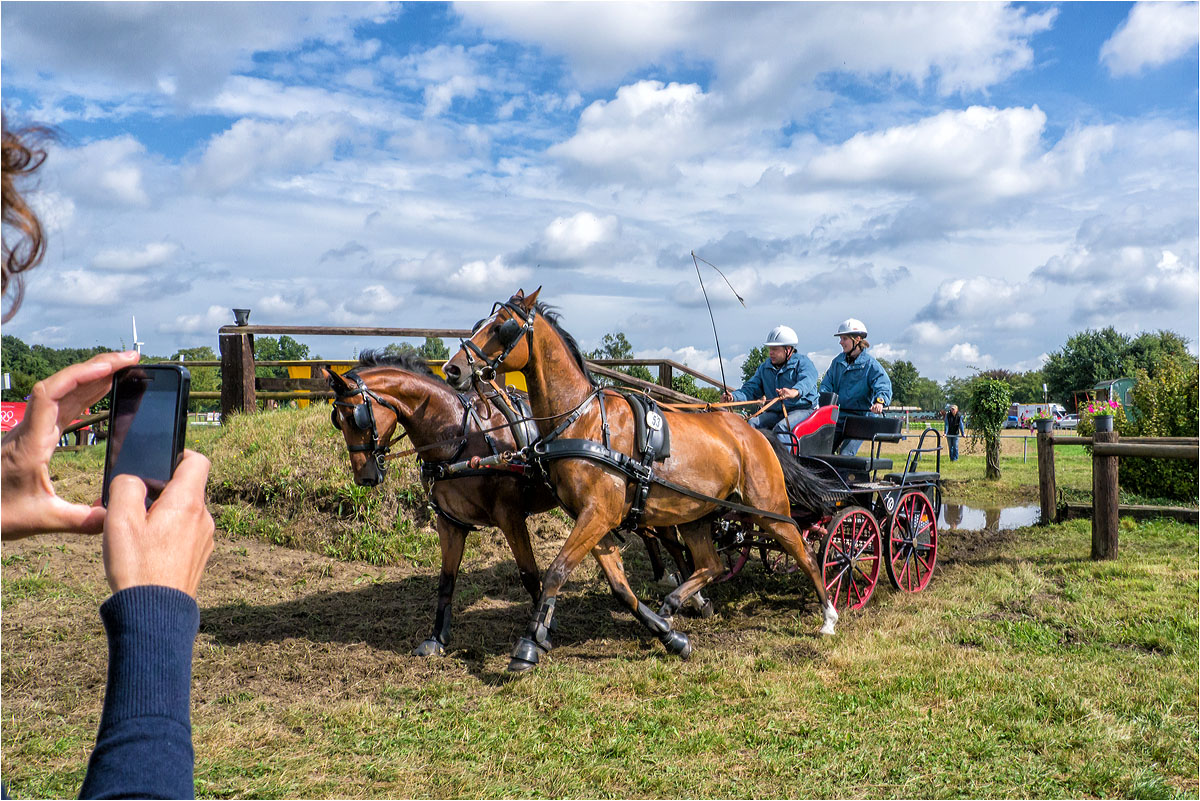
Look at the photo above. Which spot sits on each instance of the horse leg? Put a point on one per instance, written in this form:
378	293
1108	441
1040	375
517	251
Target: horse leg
608	555
511	519
792	543
590	528
707	568
453	539
686	565
654	552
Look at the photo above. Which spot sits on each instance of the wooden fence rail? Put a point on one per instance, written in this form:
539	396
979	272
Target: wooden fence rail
1107	448
241	390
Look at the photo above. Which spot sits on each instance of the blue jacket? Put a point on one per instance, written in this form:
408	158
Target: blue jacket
798	373
857	384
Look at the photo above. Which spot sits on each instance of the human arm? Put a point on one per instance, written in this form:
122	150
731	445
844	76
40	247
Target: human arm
752	389
805	386
153	560
881	388
29	503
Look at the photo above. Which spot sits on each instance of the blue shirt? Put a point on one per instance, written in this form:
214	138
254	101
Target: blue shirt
858	385
798	373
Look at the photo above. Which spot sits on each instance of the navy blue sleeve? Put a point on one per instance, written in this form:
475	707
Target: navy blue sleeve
881	385
752	389
144	747
806	381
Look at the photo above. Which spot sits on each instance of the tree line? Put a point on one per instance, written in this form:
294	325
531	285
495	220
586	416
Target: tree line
1086	358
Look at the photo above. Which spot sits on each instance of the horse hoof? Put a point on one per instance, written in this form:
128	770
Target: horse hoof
827	630
677	643
706	609
525	655
430	647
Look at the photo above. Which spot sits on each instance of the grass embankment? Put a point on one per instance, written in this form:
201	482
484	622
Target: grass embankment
1025	670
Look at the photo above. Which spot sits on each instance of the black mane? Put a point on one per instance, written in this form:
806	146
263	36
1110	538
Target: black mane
379	357
552	316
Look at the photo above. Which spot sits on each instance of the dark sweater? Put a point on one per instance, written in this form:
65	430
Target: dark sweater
144	746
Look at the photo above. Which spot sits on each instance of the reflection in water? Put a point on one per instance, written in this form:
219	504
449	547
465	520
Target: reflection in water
966	518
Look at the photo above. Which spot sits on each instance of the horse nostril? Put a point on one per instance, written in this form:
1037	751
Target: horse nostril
450	370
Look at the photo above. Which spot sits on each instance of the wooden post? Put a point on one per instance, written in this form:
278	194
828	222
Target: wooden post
237	374
1104	500
664	375
1048	492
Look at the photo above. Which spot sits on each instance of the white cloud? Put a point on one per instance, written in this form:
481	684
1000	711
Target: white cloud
107	172
155	254
569	239
1153	34
982	153
204	323
972	299
184	50
252	148
925	332
85	288
372	300
885	350
764	51
964	353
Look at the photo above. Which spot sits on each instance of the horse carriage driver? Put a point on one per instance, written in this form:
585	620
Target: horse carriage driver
858	379
787	375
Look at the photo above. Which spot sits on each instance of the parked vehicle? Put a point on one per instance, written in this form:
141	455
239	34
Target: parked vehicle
1068	421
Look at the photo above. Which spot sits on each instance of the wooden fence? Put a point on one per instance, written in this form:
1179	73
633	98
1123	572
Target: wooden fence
241	390
1106	509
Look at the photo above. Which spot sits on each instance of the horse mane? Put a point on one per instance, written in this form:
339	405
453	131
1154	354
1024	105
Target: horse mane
409	362
552	317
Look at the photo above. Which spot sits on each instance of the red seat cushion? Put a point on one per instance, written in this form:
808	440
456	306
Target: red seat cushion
824	416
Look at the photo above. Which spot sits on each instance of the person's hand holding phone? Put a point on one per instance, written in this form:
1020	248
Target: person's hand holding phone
169	544
28	502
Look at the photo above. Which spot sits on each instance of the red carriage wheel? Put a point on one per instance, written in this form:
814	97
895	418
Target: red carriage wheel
735	560
911	543
849	558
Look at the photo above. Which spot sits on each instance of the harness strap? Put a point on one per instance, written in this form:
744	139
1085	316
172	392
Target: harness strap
594	451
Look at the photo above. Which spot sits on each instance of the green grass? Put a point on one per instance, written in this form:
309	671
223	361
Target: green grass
1025	670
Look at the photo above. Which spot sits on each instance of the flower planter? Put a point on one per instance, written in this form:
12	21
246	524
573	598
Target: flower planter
1044	426
1103	423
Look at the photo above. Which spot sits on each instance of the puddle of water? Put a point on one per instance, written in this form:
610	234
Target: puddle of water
966	518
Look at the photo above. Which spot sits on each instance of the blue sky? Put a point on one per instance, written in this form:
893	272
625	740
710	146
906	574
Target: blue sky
975	181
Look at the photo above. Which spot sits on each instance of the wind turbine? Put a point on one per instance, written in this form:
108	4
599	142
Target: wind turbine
136	345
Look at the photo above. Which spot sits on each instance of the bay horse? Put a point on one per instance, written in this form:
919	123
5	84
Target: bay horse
714	455
385	393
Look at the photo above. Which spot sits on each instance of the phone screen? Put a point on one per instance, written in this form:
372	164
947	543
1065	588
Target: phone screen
145	428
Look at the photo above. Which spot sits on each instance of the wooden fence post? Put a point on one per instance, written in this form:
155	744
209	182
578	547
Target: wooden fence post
1048	492
1105	500
665	375
237	374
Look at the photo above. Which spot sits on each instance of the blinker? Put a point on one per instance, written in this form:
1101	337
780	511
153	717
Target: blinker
362	417
509	332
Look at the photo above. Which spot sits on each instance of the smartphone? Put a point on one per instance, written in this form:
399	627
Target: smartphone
146	426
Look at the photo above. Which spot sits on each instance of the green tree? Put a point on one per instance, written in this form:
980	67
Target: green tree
928	394
269	349
204	379
1166	404
957	391
434	349
1154	352
1087	358
618	346
988	409
756	357
904	376
686	383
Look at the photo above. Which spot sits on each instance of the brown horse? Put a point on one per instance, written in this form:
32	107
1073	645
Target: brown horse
384	392
713	454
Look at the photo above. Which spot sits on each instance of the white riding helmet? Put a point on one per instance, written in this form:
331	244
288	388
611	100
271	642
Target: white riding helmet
781	335
851	326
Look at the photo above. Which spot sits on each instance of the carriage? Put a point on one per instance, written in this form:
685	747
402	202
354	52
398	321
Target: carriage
884	520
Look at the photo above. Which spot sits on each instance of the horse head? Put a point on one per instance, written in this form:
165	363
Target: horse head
367	420
500	343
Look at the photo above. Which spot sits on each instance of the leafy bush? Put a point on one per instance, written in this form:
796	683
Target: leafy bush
1166	405
988	409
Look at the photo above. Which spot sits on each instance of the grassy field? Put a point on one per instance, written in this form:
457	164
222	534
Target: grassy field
1025	670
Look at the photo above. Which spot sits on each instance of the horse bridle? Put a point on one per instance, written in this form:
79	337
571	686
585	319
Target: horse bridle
510	334
363	419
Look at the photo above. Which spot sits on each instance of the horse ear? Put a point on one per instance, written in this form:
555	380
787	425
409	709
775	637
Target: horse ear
334	380
529	301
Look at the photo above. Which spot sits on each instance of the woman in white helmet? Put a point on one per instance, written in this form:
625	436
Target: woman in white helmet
858	379
787	375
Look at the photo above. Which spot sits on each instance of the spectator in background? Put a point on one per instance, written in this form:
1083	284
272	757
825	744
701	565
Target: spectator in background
153	559
859	380
954	430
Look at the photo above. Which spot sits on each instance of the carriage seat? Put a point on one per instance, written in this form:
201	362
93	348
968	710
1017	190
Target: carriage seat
913	477
873	430
813	436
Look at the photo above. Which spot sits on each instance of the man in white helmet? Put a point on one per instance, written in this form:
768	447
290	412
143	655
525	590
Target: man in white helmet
859	380
787	375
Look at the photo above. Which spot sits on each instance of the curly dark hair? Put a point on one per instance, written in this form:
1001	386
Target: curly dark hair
22	154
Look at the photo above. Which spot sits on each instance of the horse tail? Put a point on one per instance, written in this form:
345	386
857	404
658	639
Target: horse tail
806	487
